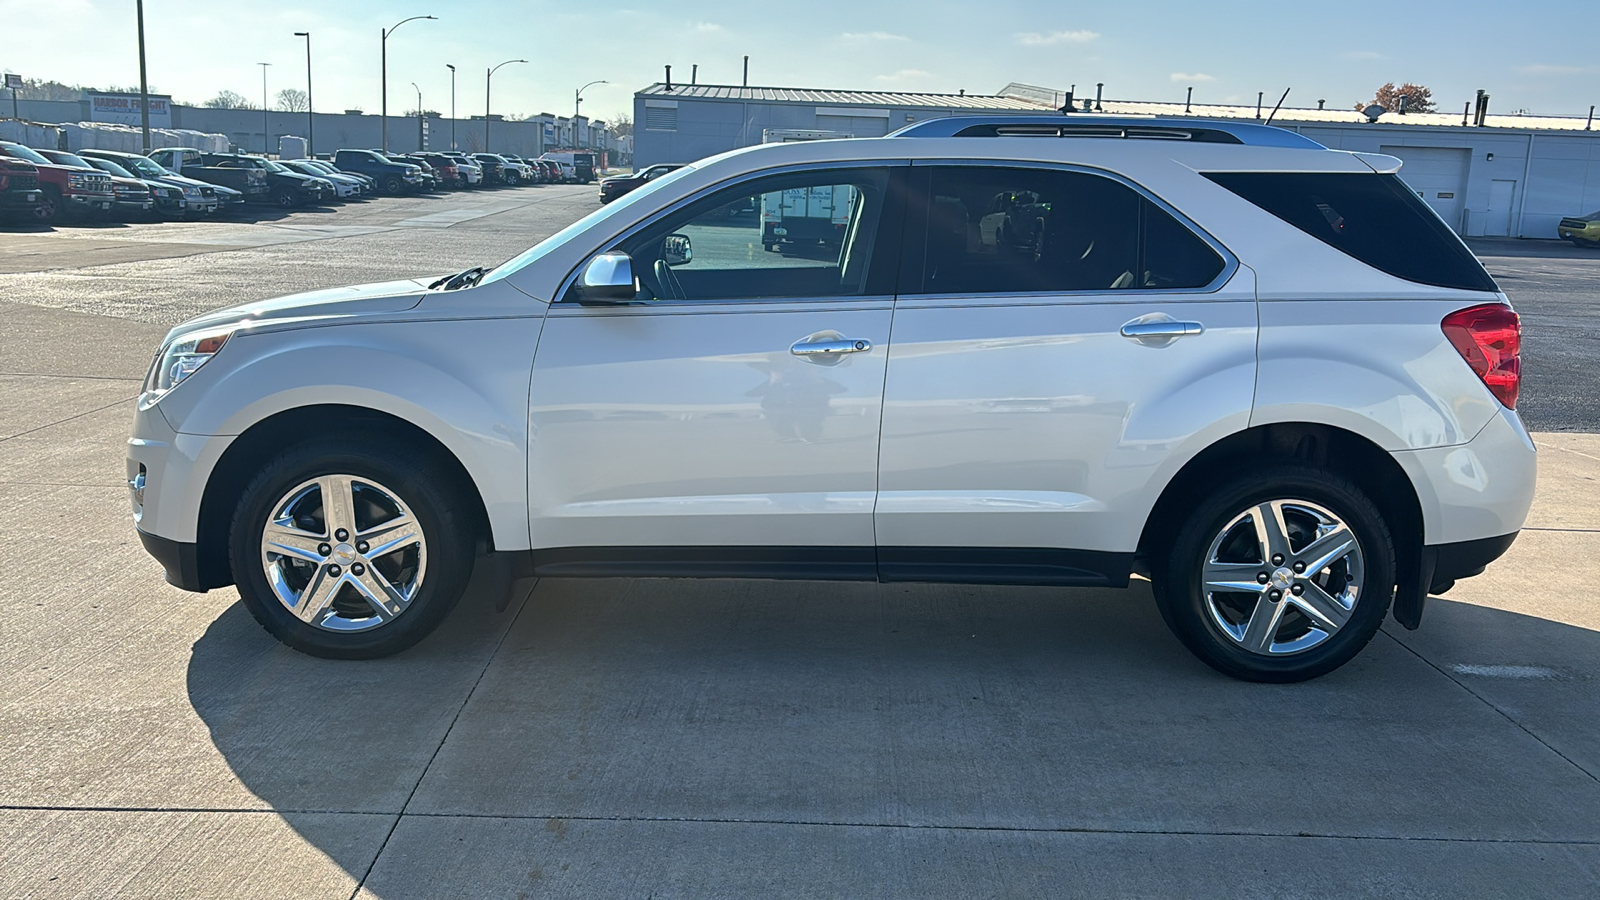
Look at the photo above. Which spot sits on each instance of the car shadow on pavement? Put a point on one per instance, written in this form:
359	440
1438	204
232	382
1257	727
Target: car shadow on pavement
905	706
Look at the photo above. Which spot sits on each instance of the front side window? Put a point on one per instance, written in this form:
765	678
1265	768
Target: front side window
994	229
792	236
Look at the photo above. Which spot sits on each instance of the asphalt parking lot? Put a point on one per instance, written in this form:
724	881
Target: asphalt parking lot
644	738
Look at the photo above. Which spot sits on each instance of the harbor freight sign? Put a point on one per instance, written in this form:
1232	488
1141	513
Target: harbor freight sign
123	109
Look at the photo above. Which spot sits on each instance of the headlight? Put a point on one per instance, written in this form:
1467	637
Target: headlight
191	191
183	357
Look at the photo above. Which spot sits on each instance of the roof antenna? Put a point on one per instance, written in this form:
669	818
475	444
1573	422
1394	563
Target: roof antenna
1275	108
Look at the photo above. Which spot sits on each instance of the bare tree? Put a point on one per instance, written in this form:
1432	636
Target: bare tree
1419	99
621	124
229	100
293	100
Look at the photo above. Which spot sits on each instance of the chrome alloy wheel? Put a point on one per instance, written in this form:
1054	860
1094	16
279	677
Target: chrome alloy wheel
1283	576
343	553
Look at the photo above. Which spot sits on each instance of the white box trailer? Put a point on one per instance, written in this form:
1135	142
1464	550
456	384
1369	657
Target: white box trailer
817	214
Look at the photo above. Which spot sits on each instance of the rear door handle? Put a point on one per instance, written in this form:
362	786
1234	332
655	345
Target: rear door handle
805	348
1138	329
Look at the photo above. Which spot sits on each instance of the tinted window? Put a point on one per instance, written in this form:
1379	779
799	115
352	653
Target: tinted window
799	235
1374	218
1004	230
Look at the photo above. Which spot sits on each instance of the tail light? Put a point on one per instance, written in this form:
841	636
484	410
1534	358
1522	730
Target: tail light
1489	338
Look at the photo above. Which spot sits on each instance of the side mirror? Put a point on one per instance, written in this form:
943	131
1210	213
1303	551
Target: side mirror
608	279
675	250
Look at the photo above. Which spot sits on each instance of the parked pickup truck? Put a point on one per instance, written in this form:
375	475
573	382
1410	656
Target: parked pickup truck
191	163
392	177
64	189
19	187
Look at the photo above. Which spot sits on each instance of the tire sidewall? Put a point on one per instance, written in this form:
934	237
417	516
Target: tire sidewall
1183	605
416	480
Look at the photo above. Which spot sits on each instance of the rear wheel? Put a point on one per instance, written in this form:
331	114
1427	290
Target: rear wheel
1282	574
352	549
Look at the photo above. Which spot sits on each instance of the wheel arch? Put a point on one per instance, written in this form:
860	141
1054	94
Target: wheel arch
260	441
1353	455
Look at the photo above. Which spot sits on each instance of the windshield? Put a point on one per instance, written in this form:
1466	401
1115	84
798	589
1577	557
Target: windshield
106	165
69	159
616	207
144	167
278	167
22	152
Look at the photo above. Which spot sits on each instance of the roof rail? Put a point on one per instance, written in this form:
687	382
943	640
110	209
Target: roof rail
1210	131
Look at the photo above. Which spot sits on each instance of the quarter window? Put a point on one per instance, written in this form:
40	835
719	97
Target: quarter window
1018	230
793	236
1374	218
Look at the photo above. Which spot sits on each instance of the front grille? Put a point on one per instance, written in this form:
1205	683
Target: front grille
29	182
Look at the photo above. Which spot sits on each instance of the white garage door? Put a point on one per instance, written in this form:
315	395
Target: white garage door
1438	175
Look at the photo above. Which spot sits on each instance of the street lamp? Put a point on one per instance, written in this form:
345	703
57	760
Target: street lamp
311	124
266	131
384	80
577	99
420	148
486	84
452	105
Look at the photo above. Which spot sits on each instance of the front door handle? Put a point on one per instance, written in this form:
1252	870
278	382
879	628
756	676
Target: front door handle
839	347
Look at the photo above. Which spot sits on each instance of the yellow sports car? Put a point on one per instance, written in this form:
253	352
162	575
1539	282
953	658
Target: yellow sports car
1583	231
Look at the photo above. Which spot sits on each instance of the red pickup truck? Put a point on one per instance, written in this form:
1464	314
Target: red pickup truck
64	189
19	187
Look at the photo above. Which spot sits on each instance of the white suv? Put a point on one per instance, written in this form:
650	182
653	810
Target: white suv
1040	350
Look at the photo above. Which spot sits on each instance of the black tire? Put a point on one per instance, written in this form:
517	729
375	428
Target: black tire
513	179
392	184
436	499
50	207
1183	604
288	198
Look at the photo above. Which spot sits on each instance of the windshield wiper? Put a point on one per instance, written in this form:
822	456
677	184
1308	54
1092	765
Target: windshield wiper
460	280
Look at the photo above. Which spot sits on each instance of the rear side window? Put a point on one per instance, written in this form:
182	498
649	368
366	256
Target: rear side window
999	229
1374	218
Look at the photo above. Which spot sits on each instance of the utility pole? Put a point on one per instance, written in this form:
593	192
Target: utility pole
266	131
311	122
384	79
452	105
144	85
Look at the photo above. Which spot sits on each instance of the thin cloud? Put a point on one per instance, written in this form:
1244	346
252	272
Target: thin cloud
1542	69
876	36
1035	39
709	28
1191	76
904	75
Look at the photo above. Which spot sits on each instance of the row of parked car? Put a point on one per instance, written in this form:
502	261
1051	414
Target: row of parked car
181	182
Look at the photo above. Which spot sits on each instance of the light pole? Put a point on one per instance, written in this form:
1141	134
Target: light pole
266	131
144	86
384	77
577	100
420	148
311	123
452	105
486	85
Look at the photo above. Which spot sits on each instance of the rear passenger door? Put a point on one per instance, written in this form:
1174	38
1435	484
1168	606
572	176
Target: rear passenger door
1062	342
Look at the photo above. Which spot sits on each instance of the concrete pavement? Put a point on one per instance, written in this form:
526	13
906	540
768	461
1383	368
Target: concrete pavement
739	739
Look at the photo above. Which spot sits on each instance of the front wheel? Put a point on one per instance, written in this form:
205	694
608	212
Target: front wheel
1282	574
392	184
353	549
288	198
50	207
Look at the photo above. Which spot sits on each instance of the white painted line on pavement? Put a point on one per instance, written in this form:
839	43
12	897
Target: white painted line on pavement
1503	671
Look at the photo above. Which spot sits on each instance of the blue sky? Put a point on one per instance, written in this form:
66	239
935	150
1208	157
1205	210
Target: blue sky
1546	60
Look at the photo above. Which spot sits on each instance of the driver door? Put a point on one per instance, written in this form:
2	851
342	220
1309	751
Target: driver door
725	421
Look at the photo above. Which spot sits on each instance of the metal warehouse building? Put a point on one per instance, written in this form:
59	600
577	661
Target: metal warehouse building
1511	176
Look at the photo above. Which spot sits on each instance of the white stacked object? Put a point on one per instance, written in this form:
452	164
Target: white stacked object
291	147
130	138
30	134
